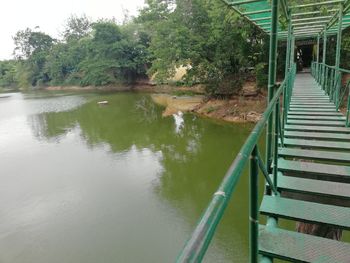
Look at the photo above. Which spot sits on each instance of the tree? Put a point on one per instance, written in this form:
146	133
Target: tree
77	28
27	42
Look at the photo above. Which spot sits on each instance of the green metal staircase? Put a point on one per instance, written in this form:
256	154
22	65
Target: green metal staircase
313	179
307	162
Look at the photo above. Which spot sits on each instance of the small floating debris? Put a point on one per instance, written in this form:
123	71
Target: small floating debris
104	102
4	97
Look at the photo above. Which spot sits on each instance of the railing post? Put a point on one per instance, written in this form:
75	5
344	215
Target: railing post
337	74
326	81
318	58
272	77
253	207
324	56
275	143
287	66
348	110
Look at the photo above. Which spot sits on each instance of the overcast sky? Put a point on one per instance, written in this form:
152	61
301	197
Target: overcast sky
50	15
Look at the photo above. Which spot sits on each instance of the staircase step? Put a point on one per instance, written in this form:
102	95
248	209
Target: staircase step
320	171
320	96
323	118
312	109
316	113
317	122
313	106
317	144
314	155
298	247
316	128
311	103
303	211
316	135
338	191
323	98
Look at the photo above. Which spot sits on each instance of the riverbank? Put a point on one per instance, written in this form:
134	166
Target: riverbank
236	110
141	87
246	107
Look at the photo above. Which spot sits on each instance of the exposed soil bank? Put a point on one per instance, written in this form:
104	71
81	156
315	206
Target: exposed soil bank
245	108
142	87
235	110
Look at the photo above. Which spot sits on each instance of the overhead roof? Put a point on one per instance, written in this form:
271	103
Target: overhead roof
309	17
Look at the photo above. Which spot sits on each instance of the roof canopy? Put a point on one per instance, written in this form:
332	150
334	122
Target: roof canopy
308	18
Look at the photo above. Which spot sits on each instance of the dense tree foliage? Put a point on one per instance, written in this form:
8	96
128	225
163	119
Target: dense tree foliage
216	46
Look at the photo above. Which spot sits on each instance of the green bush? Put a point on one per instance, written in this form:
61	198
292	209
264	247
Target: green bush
261	73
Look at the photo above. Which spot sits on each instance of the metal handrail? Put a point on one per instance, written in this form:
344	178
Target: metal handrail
202	235
330	78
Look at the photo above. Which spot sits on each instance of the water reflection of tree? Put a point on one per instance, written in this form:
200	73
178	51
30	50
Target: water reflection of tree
194	162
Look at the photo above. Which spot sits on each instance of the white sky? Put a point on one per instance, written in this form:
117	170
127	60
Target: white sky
50	16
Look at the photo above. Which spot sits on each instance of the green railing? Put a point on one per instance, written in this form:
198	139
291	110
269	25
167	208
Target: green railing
330	79
202	235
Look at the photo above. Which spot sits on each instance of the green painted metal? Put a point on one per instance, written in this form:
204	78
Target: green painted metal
330	172
317	144
337	57
198	243
308	120
334	190
303	154
272	77
303	211
254	206
290	246
323	83
317	4
259	10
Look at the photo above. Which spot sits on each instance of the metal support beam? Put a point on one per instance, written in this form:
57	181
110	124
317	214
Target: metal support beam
319	18
313	12
337	75
272	78
317	4
324	56
339	38
243	2
257	12
261	18
318	55
287	66
254	207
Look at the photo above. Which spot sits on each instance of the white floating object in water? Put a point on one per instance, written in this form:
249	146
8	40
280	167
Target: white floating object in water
104	102
179	121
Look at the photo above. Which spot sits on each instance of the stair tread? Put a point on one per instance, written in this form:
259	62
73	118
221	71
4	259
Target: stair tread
313	106
315	187
318	122
317	113
338	173
320	103
289	245
304	211
317	144
316	128
314	154
313	109
306	117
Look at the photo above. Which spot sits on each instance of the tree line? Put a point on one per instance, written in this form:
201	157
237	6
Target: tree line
217	46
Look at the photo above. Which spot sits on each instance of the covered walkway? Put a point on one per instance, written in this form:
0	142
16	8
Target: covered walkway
306	168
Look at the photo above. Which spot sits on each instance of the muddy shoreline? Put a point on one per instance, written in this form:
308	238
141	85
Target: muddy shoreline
238	109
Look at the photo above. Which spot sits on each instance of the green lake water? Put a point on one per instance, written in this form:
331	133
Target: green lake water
118	183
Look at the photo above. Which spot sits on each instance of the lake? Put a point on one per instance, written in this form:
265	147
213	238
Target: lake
82	182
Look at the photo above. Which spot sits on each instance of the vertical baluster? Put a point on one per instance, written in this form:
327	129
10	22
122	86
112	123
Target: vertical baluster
253	206
275	143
